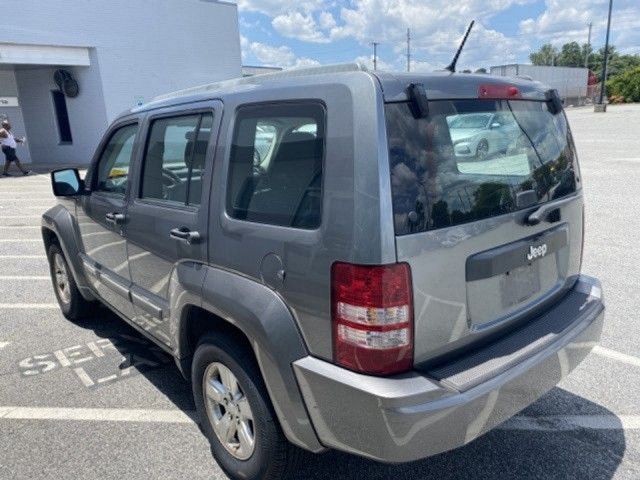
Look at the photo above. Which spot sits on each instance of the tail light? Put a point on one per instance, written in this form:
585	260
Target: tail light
372	317
498	92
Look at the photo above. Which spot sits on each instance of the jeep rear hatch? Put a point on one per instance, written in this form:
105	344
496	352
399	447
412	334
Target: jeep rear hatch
470	183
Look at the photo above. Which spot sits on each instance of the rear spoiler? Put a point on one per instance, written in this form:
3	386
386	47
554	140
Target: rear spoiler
419	103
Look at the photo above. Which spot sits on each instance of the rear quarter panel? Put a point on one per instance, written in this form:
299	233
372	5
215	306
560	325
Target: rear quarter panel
356	207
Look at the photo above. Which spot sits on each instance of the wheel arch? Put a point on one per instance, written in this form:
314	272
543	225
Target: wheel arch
59	226
257	318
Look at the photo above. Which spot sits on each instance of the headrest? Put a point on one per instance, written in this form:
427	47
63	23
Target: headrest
298	145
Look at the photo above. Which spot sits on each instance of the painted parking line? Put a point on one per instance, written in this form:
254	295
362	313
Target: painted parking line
24	277
22	257
27	207
520	423
27	193
97	414
4	344
615	355
18	227
20	240
29	306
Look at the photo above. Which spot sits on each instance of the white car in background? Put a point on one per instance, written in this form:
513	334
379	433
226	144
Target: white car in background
481	135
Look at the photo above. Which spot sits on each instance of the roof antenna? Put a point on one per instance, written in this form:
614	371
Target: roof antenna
452	65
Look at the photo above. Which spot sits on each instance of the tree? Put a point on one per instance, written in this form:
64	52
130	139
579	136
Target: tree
545	56
481	70
587	53
571	55
618	64
626	85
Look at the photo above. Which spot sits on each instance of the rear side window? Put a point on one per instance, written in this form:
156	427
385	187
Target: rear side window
174	159
475	159
275	168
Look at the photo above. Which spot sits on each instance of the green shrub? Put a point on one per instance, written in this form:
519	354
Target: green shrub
626	85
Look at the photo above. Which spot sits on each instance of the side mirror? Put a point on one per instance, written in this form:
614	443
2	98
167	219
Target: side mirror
67	182
495	125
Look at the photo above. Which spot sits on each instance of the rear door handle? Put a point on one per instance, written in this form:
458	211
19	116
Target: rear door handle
543	212
184	235
115	218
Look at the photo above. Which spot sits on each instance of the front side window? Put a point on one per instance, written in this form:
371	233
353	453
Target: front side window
114	163
474	159
275	168
175	157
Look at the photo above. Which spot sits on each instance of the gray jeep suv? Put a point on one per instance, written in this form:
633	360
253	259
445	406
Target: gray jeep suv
327	268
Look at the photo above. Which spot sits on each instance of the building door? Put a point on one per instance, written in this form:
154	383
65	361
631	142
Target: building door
102	219
167	216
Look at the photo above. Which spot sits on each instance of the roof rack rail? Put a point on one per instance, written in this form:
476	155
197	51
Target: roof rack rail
264	78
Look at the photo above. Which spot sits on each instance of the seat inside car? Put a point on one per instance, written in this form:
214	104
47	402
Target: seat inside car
194	158
282	190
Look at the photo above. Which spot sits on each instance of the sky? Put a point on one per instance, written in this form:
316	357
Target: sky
292	33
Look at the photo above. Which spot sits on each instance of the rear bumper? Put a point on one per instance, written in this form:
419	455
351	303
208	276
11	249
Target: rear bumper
414	416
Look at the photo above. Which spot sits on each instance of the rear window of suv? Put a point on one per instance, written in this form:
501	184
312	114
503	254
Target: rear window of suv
475	159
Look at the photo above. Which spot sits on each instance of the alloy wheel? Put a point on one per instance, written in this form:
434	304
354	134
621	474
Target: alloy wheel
229	411
61	278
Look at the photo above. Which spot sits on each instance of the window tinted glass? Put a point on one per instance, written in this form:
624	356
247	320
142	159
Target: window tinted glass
197	163
279	184
264	143
475	159
174	158
113	166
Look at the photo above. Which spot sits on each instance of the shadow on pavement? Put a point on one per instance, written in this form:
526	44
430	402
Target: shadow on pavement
500	454
136	354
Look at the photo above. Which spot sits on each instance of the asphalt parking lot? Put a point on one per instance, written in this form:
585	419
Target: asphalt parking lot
95	400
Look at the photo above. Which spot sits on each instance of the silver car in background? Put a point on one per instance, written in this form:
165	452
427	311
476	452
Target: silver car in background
481	135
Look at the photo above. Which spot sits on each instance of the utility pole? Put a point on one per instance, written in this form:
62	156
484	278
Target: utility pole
586	57
375	54
408	49
605	65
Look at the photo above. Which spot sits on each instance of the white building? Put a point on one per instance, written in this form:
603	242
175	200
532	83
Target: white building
120	53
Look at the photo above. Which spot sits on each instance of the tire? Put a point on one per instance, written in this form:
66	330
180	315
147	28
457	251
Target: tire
482	150
72	304
272	456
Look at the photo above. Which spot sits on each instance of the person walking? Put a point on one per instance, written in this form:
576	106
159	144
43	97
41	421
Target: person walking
9	144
